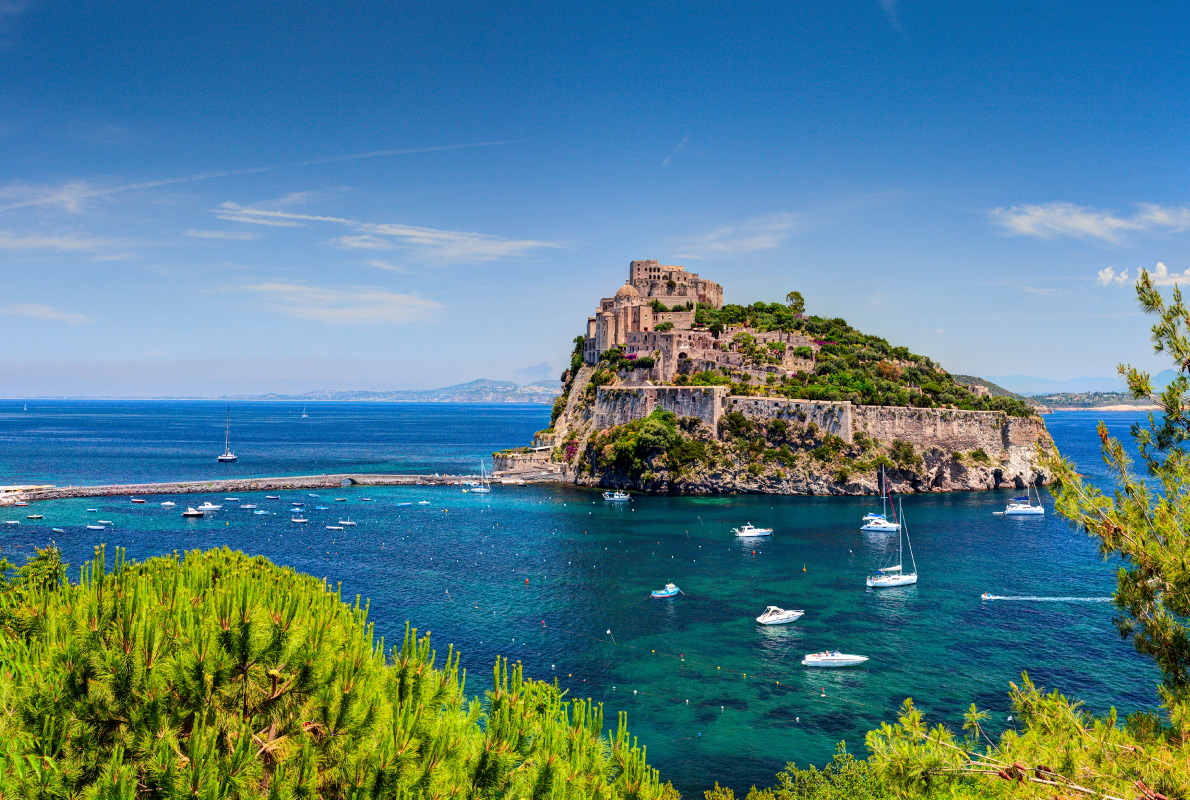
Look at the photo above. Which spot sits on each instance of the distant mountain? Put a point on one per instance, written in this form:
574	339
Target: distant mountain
477	391
1030	385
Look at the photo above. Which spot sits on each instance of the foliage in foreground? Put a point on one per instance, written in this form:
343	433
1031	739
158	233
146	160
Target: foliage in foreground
218	675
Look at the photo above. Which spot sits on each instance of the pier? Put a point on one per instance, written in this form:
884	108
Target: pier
230	485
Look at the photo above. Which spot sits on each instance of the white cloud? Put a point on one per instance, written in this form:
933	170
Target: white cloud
378	264
1161	276
428	243
1047	220
1107	276
239	236
63	243
344	306
362	242
763	233
44	312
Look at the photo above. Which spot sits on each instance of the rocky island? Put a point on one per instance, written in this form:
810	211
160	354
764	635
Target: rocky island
670	390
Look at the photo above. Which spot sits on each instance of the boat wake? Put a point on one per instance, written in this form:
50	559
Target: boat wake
1035	599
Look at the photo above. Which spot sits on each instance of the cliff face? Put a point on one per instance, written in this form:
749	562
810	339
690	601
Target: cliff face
702	439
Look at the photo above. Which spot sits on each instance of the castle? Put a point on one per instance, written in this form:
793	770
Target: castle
653	315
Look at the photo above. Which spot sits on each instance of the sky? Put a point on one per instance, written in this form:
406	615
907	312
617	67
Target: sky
208	199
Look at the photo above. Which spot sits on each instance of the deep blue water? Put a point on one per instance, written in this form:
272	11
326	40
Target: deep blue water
540	574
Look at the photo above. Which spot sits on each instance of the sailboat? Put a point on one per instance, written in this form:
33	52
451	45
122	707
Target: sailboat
304	414
484	487
1023	506
895	575
227	456
880	522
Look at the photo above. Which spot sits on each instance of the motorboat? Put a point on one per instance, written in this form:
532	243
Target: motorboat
92	510
423	502
136	500
12	522
35	516
191	511
104	522
249	505
617	496
879	523
669	591
400	505
231	499
272	497
298	519
894	574
365	499
168	504
347	522
209	506
334	527
832	658
20	504
227	456
1023	506
261	512
321	508
748	529
59	530
340	499
96	528
778	616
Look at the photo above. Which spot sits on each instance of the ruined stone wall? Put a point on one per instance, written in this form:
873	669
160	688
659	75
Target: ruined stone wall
949	430
829	415
618	405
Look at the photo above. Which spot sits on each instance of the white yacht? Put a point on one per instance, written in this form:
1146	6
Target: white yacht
209	506
227	456
879	523
748	529
168	504
617	496
895	575
778	616
832	658
191	511
1023	506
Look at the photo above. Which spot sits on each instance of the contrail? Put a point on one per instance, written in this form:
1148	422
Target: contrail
70	195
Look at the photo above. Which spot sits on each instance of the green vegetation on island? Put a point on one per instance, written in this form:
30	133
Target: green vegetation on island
219	675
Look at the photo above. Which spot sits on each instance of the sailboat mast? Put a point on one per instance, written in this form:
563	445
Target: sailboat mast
227	432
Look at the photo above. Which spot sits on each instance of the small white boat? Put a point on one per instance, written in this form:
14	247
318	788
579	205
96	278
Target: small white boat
365	499
304	414
136	500
1023	506
340	499
232	499
96	528
168	504
227	456
105	522
92	510
669	591
483	487
209	506
35	516
191	511
249	505
334	527
59	530
748	529
895	575
423	502
778	616
12	522
311	494
400	505
272	497
617	496
347	522
832	658
298	519
260	512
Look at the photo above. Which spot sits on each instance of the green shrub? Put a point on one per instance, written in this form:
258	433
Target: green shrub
664	326
980	456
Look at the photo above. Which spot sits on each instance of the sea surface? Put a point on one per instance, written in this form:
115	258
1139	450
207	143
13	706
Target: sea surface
559	579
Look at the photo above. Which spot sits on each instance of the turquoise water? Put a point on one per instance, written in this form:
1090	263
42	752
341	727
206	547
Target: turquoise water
541	574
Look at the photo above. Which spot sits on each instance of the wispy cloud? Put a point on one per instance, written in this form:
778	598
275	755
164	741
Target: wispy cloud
344	306
385	265
674	152
239	236
1048	220
71	194
44	312
427	243
889	7
62	243
763	233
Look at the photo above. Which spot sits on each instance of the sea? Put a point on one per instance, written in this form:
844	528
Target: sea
558	579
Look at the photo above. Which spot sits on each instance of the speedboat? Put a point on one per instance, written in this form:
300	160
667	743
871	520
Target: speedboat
136	500
168	504
209	506
749	529
832	658
778	616
985	596
669	591
298	519
191	511
617	496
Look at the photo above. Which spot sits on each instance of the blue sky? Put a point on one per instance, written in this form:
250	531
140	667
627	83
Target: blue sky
256	197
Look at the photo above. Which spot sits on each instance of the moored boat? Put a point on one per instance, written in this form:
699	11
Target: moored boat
617	496
778	616
136	500
668	591
96	528
35	516
209	506
168	504
298	519
879	523
227	456
895	575
748	529
832	658
191	511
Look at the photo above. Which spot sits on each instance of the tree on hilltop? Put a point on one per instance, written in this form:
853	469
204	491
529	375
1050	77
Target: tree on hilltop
795	301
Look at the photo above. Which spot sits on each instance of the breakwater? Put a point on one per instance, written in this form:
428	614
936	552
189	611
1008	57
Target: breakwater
246	485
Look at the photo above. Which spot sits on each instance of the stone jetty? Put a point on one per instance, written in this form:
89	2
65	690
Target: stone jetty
232	485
